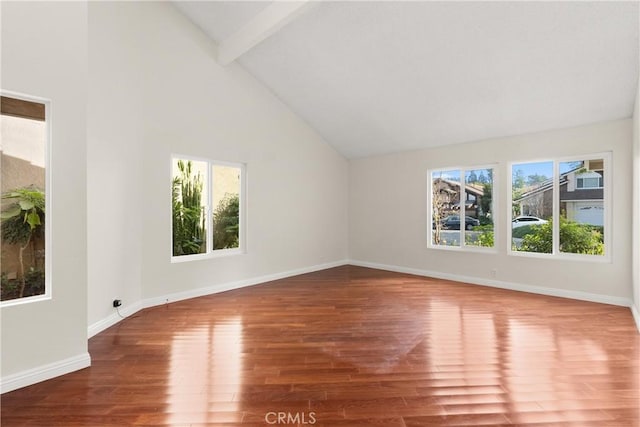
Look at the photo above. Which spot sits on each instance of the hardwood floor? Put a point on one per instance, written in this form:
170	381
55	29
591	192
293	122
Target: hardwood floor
352	346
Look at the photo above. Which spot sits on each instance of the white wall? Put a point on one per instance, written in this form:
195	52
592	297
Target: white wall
388	212
156	89
44	53
114	156
636	208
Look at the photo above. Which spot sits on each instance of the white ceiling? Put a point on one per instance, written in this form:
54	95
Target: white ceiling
380	77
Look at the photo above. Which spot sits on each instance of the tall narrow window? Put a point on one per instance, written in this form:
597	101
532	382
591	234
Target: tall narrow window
226	203
23	149
479	205
445	206
560	207
461	208
189	198
207	207
532	202
582	207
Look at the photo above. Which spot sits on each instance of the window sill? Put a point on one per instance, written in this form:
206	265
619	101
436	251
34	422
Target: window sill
563	256
466	248
220	253
25	300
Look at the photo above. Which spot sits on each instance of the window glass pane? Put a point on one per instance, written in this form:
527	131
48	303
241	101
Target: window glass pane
445	208
479	207
23	148
532	197
226	205
582	207
189	205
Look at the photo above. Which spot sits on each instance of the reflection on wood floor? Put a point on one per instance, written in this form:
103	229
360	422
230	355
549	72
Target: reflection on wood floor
352	346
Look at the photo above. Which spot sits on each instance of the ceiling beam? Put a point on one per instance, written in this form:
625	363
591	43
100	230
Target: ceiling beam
264	24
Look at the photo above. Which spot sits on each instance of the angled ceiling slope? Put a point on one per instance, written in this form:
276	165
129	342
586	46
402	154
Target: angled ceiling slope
381	77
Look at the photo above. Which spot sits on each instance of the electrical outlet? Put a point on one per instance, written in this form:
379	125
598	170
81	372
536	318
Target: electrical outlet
117	303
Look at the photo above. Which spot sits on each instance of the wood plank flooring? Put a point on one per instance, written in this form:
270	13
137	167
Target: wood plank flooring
352	346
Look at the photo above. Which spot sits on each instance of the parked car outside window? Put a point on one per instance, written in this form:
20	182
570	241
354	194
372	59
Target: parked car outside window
527	220
452	222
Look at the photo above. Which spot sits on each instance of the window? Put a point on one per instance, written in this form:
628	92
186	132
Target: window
226	204
589	181
461	208
24	163
560	207
532	196
207	208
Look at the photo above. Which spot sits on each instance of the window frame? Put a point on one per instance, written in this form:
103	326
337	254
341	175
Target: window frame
48	228
463	210
606	202
211	253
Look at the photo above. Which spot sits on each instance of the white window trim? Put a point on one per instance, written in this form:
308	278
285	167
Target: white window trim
607	203
48	228
242	239
463	245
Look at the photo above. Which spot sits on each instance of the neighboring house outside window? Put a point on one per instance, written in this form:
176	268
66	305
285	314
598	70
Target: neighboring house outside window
561	207
450	191
461	208
581	195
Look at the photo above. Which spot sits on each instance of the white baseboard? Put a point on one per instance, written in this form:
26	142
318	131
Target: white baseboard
583	296
128	310
222	287
107	322
636	315
45	372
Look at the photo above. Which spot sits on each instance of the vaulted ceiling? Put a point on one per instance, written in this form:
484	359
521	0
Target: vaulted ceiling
378	77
